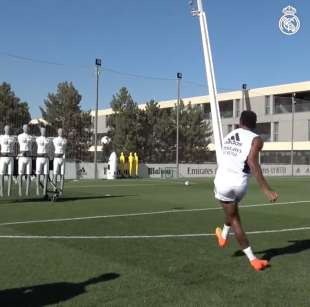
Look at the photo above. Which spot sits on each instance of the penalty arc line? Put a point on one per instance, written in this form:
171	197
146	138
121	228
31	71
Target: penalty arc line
145	236
146	213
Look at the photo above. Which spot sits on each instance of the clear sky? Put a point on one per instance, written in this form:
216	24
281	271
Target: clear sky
147	37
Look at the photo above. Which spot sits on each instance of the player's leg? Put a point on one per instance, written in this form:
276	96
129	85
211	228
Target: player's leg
228	196
222	234
233	218
225	195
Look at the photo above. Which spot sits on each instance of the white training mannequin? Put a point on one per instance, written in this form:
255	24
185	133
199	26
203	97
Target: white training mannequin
60	144
42	161
24	160
6	160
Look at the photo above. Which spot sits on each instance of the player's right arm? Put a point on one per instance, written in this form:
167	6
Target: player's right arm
252	160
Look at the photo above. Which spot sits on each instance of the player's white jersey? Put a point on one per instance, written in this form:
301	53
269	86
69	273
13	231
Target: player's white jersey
236	148
24	140
60	145
42	145
6	143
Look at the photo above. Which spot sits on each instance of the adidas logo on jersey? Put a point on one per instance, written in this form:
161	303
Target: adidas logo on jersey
234	140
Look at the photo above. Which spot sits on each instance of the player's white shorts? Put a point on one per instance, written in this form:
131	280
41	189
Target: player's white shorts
59	166
24	166
230	190
6	165
42	166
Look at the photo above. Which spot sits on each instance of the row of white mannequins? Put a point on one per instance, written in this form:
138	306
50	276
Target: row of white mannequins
24	157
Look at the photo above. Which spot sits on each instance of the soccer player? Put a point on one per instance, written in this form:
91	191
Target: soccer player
239	159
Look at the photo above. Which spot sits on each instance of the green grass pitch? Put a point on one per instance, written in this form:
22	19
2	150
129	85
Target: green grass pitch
84	264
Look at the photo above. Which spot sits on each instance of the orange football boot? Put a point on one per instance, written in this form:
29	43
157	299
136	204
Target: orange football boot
259	264
220	240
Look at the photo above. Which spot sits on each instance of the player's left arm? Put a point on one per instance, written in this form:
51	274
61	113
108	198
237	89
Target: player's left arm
252	160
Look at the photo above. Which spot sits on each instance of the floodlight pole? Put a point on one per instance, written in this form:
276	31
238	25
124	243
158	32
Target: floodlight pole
244	88
179	78
98	65
292	133
215	112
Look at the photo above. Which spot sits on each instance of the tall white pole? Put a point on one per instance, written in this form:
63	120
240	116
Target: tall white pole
179	77
98	64
215	111
292	133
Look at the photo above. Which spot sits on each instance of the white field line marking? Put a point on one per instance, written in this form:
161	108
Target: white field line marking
126	185
146	213
147	236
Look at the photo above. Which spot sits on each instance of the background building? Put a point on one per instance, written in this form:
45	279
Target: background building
283	117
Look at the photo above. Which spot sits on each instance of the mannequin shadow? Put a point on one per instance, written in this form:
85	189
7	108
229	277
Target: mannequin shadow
63	199
47	294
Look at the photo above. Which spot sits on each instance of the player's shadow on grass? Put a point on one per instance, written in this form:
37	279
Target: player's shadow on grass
46	294
294	248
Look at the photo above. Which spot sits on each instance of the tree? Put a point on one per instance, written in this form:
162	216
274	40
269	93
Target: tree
63	110
13	112
165	137
152	131
149	120
194	134
123	123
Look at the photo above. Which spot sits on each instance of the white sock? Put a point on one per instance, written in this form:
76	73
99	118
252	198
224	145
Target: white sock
249	253
225	231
